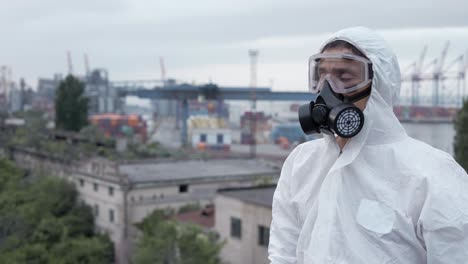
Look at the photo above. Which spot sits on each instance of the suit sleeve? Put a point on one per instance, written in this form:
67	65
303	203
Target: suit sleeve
444	217
284	228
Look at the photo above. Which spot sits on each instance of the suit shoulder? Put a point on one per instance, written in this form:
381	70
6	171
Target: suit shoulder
306	147
427	160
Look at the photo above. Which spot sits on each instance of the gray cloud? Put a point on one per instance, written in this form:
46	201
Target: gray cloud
127	36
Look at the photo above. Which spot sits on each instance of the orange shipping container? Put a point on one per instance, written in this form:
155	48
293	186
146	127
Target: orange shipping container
133	120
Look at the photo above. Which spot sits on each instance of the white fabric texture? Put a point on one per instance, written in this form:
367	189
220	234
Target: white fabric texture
387	198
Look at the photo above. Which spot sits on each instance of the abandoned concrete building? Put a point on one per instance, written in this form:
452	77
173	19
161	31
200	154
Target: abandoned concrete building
122	194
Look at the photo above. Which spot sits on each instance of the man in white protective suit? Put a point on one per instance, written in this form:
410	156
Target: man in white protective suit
366	192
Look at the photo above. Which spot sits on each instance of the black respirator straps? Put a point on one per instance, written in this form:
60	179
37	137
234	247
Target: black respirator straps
358	96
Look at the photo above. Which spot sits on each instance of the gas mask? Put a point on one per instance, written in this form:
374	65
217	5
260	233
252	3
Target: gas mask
333	76
332	113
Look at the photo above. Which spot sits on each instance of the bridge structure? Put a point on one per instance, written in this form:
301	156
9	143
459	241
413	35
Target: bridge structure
185	92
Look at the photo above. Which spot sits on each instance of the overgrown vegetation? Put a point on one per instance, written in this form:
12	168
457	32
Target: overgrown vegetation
42	221
189	208
167	241
34	135
460	144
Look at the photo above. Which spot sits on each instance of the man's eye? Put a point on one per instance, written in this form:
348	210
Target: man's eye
346	77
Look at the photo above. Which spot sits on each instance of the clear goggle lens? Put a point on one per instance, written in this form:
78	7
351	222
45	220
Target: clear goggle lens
345	72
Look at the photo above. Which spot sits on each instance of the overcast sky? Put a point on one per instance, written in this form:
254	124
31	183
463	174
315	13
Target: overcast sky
203	40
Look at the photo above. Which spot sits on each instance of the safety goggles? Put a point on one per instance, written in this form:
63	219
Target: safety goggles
345	72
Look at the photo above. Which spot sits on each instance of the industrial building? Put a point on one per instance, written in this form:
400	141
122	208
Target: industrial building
122	194
103	97
246	225
209	133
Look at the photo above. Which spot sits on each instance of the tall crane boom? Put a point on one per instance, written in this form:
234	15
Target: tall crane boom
420	62
443	56
163	69
416	76
69	63
438	74
86	64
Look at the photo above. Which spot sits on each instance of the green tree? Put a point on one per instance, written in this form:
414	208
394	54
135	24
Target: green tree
71	106
42	221
29	135
93	133
166	241
189	208
460	144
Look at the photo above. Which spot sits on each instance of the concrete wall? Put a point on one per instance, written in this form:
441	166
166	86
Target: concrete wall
143	201
103	201
245	250
40	163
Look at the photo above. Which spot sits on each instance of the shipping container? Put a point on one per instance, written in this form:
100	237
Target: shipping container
292	131
113	125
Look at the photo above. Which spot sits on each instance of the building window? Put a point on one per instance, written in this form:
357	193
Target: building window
183	188
81	182
236	226
263	235
132	199
111	215
141	198
161	196
154	197
219	138
96	210
111	191
203	138
95	187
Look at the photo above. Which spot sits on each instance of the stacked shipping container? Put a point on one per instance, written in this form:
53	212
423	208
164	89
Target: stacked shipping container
425	113
113	125
262	126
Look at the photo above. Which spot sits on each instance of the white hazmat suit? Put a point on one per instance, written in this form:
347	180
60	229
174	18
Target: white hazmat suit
387	198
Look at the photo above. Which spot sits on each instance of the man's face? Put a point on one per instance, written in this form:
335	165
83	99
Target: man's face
346	71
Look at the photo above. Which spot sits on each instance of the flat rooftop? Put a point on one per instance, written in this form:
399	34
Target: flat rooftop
259	195
203	217
196	170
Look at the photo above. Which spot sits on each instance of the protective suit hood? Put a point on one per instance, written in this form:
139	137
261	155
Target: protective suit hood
386	198
385	64
381	125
